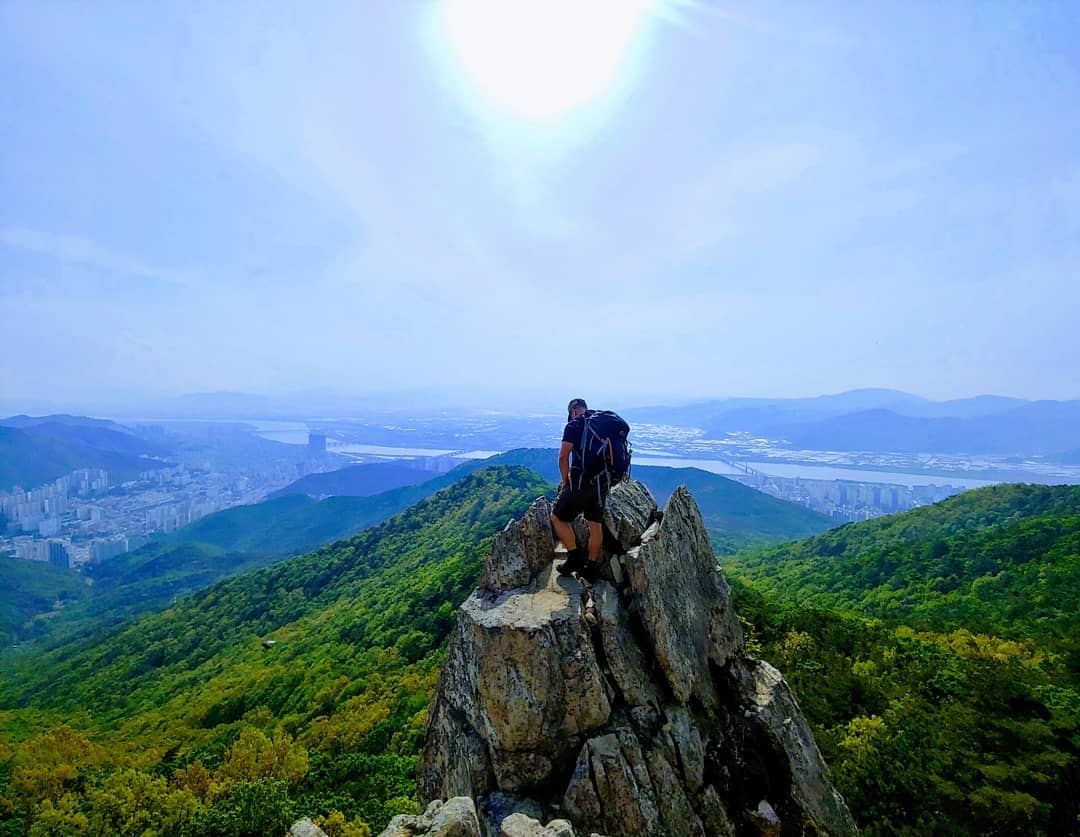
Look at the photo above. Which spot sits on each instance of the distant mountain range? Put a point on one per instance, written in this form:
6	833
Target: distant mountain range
34	451
883	421
1040	428
356	481
24	421
902	403
869	420
99	434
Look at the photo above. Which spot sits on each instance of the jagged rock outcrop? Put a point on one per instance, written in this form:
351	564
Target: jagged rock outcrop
454	818
623	707
305	828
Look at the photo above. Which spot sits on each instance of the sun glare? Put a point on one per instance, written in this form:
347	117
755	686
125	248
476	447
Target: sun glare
542	59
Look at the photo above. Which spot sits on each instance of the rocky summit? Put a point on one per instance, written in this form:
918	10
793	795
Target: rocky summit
626	706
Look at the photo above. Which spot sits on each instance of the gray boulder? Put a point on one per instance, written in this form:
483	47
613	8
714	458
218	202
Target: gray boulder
305	828
454	818
630	510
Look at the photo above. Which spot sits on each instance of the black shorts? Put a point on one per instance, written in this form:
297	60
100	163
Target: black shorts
589	501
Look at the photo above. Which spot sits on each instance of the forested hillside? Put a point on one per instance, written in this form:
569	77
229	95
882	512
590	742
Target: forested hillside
216	726
32	587
243	538
301	688
1001	560
225	543
927	732
356	481
222	544
947	699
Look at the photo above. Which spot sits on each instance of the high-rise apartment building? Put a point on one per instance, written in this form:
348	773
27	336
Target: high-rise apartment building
58	555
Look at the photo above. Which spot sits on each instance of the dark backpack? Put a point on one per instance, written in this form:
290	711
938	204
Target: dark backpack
604	446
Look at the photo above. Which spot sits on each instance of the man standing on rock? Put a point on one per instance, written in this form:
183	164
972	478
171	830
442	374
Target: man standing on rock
580	493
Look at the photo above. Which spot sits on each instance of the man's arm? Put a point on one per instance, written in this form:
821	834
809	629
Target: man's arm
564	462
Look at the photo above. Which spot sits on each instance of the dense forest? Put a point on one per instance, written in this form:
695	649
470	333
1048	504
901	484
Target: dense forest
937	654
928	732
1003	560
31	588
187	722
935	718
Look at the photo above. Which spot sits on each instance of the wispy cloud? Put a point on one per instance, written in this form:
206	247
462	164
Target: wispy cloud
708	209
84	251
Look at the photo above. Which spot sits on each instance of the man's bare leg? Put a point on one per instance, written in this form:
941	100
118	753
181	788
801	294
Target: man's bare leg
596	540
564	532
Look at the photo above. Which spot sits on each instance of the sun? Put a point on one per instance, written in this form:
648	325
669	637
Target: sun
542	59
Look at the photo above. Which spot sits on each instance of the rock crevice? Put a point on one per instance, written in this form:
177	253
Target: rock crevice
627	706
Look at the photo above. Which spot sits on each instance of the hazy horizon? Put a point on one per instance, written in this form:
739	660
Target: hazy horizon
643	202
324	403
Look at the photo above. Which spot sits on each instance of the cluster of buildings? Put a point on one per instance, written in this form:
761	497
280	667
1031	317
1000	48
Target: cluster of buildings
82	517
42	509
846	501
53	551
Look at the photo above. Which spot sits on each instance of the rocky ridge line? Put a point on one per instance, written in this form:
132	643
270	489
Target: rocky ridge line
625	707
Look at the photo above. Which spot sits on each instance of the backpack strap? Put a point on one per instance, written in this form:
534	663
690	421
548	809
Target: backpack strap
605	449
585	430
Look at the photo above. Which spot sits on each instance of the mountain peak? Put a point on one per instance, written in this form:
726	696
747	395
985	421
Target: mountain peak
628	706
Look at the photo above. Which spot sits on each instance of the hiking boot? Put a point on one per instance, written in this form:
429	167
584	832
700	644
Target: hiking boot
591	571
574	563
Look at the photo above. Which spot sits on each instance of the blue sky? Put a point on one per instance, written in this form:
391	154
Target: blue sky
769	199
